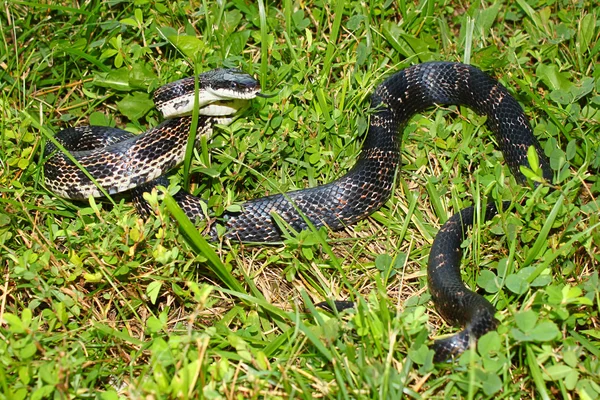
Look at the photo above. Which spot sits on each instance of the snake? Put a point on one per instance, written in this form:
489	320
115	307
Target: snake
137	163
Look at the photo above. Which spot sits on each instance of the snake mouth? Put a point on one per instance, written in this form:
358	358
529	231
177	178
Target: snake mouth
224	107
265	96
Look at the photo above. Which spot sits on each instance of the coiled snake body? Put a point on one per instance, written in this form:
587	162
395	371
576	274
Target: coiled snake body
364	189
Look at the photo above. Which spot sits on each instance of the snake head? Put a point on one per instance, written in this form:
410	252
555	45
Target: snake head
221	92
229	84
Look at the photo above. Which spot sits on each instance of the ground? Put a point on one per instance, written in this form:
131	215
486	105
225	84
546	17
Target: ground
98	303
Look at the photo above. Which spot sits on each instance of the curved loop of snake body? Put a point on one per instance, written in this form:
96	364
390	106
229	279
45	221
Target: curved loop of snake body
133	162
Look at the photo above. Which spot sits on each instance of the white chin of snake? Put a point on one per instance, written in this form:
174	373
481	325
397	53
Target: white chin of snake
223	108
212	103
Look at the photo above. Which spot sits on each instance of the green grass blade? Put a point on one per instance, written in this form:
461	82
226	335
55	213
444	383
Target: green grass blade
435	198
285	316
117	334
549	257
202	246
191	144
264	44
591	347
332	40
536	373
542	240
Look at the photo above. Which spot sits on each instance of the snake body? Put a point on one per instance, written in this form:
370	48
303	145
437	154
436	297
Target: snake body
366	187
119	161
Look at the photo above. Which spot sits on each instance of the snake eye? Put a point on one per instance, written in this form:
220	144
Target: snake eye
233	85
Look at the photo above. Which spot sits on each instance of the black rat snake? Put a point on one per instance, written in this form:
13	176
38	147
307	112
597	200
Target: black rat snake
135	161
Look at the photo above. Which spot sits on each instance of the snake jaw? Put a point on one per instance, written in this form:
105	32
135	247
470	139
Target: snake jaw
265	96
223	108
218	86
211	103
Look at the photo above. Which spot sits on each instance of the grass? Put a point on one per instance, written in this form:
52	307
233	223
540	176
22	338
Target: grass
96	303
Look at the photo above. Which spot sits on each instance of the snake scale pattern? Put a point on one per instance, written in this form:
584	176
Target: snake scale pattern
354	196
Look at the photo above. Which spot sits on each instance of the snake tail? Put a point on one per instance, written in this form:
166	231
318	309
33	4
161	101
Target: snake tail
456	303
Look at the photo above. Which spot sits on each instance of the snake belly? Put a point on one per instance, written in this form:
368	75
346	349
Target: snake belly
370	183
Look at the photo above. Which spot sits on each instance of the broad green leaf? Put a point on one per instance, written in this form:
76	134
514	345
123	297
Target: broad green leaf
154	324
554	79
139	16
545	331
556	372
117	79
571	379
191	46
585	32
491	383
129	21
383	262
161	352
28	349
534	160
300	22
231	20
110	394
526	320
135	106
99	119
571	149
489	281
153	290
491	341
516	284
141	77
487	17
42	392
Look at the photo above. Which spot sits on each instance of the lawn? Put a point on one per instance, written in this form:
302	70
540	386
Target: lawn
98	303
